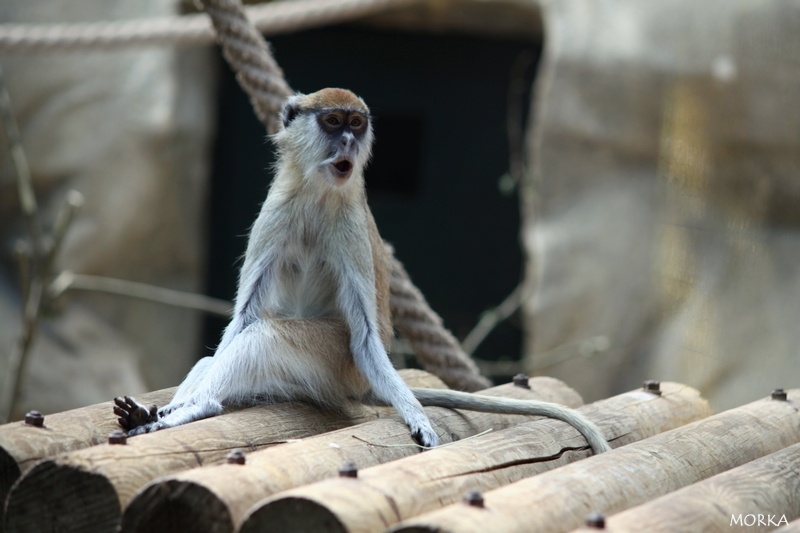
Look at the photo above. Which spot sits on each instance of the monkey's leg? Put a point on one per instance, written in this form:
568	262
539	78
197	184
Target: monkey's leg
190	402
187	389
272	359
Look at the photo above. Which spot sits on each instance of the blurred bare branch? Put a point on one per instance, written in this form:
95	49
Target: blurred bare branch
36	256
491	318
67	281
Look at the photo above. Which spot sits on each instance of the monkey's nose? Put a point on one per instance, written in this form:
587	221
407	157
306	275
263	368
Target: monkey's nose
347	140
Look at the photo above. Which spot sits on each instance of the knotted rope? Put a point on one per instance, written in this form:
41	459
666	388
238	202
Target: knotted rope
183	30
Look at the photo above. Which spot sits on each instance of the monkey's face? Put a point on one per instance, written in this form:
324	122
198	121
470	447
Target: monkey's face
344	130
328	134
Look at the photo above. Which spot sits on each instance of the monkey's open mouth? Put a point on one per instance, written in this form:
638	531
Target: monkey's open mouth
342	168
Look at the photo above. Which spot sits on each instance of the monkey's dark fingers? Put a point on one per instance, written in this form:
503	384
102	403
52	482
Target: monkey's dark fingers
132	414
419	438
121	403
132	403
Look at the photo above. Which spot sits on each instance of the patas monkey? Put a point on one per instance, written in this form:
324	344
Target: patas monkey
311	318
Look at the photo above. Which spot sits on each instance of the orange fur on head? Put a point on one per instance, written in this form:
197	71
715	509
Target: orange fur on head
332	98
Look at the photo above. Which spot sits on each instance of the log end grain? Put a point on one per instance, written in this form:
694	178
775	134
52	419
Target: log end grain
9	474
416	529
292	514
161	506
29	509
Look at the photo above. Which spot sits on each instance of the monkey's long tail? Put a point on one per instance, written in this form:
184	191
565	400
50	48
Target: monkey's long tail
489	404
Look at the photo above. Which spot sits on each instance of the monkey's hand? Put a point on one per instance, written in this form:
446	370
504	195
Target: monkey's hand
133	414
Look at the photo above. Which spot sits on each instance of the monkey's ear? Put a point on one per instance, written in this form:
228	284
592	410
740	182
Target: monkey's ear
290	111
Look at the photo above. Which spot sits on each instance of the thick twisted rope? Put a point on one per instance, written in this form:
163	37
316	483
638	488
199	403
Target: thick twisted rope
437	349
272	18
247	52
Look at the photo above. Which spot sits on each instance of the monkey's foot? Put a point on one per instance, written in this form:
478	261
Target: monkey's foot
132	414
147	428
424	435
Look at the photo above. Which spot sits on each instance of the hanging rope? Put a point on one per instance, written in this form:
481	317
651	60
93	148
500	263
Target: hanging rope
437	349
246	51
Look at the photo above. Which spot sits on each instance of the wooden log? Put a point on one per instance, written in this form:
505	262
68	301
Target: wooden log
22	445
624	477
386	494
88	489
758	496
216	498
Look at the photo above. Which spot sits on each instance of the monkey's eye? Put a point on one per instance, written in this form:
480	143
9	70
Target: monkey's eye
333	120
356	122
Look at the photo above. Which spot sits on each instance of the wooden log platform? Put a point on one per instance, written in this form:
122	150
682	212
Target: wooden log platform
560	500
216	498
758	497
87	489
22	445
384	495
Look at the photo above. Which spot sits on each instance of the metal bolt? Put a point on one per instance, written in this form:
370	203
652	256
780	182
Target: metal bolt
521	380
779	394
348	469
596	521
34	418
118	437
236	457
474	498
653	387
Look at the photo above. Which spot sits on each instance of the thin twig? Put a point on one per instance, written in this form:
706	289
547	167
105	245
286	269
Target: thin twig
65	216
27	198
28	256
491	318
67	280
35	260
504	367
518	86
585	348
22	255
516	171
420	446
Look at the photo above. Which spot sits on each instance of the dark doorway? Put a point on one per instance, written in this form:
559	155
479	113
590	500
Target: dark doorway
441	104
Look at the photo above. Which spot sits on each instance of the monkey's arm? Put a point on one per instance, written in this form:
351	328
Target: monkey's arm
474	402
357	301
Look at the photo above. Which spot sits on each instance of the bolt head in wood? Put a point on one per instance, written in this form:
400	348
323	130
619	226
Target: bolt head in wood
236	457
474	498
34	418
779	394
348	469
521	380
596	521
653	387
118	437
